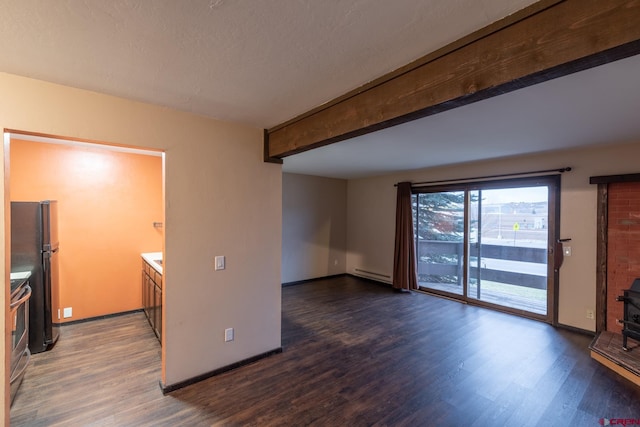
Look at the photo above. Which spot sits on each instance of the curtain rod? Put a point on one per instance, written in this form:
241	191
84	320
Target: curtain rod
477	178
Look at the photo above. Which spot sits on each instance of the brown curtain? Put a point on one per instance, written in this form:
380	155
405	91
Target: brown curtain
404	257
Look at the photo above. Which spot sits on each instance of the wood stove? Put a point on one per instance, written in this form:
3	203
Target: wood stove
631	322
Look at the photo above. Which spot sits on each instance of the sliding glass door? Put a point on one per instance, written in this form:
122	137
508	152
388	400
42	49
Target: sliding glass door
490	243
440	223
509	255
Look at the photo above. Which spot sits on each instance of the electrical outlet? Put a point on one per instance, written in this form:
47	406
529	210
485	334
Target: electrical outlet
67	312
219	263
589	314
228	334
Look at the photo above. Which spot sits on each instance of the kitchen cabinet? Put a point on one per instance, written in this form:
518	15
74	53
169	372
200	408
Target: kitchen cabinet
152	297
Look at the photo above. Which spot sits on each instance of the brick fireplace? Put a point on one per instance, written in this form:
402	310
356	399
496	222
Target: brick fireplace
618	265
623	246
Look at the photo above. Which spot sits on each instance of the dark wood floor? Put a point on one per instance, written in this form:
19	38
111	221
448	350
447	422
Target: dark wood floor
355	354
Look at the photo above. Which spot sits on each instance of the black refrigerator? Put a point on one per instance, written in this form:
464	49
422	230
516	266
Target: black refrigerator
34	247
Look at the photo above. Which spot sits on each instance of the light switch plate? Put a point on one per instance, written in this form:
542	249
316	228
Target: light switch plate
228	334
219	262
567	251
67	312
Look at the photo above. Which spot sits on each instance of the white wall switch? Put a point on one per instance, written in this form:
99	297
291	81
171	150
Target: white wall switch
67	312
220	263
567	251
228	334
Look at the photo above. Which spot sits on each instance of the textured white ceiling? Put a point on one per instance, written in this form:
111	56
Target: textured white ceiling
262	62
258	62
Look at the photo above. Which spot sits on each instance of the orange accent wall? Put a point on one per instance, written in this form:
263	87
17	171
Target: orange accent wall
107	203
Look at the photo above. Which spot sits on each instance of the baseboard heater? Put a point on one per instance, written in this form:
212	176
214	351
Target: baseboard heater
373	275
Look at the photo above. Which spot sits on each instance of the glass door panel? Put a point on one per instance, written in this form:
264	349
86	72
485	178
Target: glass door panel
440	229
508	255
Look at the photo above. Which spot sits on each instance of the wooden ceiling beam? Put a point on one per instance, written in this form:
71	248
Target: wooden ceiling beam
549	39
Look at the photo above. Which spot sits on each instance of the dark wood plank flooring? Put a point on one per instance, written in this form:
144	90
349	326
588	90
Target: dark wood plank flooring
355	354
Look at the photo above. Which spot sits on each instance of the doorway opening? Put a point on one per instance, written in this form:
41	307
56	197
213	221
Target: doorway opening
490	243
110	209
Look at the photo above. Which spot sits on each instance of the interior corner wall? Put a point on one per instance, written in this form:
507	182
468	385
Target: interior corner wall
314	220
6	321
220	198
371	215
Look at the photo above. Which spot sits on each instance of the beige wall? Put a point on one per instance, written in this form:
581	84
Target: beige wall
314	216
220	199
372	207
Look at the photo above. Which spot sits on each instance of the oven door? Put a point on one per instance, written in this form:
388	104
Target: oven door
20	330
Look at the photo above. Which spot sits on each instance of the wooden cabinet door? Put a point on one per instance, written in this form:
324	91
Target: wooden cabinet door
152	297
157	324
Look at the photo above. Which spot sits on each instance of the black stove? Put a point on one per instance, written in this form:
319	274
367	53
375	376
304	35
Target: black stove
631	320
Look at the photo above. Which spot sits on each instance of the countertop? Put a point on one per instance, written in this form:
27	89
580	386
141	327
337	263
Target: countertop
154	259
